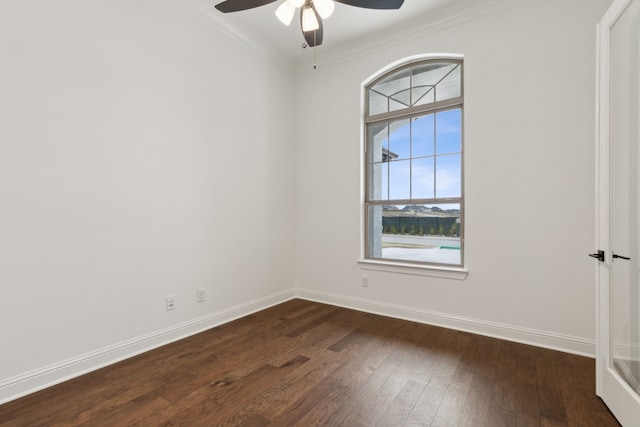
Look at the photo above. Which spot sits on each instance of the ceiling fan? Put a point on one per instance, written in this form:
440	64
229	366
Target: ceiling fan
311	14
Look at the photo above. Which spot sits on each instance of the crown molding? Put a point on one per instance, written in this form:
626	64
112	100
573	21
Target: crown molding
447	17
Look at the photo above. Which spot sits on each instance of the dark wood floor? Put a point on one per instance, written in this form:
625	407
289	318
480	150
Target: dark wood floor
303	363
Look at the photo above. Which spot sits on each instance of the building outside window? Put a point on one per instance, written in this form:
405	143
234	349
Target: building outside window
414	205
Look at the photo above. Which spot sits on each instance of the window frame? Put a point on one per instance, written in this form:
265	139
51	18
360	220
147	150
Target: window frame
392	264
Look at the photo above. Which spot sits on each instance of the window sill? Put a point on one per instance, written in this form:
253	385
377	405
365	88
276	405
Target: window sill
415	270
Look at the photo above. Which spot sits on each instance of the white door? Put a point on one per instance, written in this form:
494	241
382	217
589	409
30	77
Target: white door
618	343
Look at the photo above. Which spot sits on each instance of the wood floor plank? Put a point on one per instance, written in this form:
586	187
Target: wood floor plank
499	416
310	342
526	389
40	413
255	420
132	413
452	404
363	352
312	323
506	371
369	399
37	410
120	394
401	407
414	362
182	412
480	359
229	397
314	404
284	397
477	404
550	397
450	347
382	405
303	363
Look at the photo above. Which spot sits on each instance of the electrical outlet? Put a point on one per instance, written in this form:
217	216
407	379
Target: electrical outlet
171	302
200	294
364	281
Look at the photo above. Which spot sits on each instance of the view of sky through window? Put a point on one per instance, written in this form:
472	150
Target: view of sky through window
424	159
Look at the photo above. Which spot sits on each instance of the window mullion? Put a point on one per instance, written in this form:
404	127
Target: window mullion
411	111
435	155
434	201
410	159
388	165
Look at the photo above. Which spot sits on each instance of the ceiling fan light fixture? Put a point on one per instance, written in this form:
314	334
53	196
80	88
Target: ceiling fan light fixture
285	12
309	19
312	13
324	7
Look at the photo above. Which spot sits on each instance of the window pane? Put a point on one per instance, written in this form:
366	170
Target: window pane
399	179
384	181
394	83
377	143
395	90
378	181
448	132
422	178
395	105
373	242
450	86
430	74
400	139
378	103
440	80
403	97
423	95
422	135
448	176
422	233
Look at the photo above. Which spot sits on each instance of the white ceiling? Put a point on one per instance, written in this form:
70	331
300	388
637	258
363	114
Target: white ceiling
347	24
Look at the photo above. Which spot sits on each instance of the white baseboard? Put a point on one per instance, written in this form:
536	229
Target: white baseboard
30	382
545	339
39	379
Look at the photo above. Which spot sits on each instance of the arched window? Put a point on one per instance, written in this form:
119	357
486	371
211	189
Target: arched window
414	164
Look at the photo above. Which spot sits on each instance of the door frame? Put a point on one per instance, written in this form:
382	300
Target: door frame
614	391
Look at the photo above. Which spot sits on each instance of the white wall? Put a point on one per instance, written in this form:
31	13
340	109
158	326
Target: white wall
529	141
144	151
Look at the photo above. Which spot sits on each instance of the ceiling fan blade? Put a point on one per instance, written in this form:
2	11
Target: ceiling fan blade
373	4
238	5
313	38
